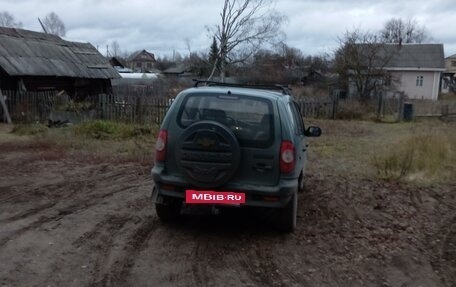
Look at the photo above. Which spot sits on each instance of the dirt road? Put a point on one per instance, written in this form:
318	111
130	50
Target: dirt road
71	221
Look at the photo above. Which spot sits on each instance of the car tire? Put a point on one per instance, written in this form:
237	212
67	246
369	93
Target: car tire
288	215
170	210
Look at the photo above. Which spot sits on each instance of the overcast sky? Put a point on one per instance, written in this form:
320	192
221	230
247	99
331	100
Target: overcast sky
163	26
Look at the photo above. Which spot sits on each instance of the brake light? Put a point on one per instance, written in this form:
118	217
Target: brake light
160	146
287	157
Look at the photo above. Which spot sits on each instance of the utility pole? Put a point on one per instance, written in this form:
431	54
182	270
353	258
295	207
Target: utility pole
42	26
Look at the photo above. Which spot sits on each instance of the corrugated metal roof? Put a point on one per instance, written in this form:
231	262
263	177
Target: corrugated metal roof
29	53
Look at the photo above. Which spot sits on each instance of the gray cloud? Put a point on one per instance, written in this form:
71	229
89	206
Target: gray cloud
162	26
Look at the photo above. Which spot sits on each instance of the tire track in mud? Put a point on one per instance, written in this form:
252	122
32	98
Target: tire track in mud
53	192
100	240
29	212
200	262
445	262
264	271
221	252
119	272
62	212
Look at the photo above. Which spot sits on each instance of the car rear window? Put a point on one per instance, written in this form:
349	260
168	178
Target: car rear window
250	118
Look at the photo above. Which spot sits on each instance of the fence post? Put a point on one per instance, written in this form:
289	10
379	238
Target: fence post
445	111
380	108
5	108
335	105
400	111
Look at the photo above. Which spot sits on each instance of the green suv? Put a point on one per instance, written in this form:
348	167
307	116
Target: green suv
222	144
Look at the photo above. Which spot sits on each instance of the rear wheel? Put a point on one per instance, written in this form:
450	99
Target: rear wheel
169	210
288	215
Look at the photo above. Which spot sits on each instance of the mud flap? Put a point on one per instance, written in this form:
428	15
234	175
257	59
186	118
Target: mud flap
157	198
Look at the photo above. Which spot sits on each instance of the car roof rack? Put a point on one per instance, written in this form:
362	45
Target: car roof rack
285	89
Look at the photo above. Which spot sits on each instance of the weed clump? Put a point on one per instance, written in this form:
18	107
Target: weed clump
418	158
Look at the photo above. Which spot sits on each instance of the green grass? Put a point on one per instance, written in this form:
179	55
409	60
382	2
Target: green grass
94	140
100	129
29	129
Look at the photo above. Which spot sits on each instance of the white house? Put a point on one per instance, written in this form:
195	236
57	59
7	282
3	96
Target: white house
414	69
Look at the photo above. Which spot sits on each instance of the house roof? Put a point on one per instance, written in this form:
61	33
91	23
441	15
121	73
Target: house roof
137	53
117	62
403	57
451	57
29	53
421	56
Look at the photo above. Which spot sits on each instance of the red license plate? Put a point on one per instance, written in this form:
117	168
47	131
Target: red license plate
214	197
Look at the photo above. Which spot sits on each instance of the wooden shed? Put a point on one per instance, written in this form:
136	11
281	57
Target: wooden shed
33	61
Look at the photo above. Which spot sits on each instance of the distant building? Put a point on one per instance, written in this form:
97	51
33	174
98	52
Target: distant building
142	62
117	62
449	76
120	65
178	71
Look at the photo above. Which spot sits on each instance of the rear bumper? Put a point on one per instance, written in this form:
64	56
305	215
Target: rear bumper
276	196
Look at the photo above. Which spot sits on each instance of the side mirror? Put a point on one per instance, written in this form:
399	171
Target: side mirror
312	131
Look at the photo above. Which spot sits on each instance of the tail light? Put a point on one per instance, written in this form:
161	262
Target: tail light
160	146
287	157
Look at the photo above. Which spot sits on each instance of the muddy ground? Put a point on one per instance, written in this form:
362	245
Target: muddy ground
67	220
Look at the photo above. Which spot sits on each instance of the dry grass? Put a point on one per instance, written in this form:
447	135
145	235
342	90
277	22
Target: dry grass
424	158
418	152
447	96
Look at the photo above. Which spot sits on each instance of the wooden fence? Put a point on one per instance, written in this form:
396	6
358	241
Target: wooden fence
28	106
140	107
132	109
429	108
317	109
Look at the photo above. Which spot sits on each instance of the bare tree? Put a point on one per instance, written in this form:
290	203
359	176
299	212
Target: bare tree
7	20
115	48
245	25
188	45
361	60
399	31
52	24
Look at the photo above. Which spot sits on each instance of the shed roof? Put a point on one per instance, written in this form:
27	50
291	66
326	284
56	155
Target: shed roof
29	53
